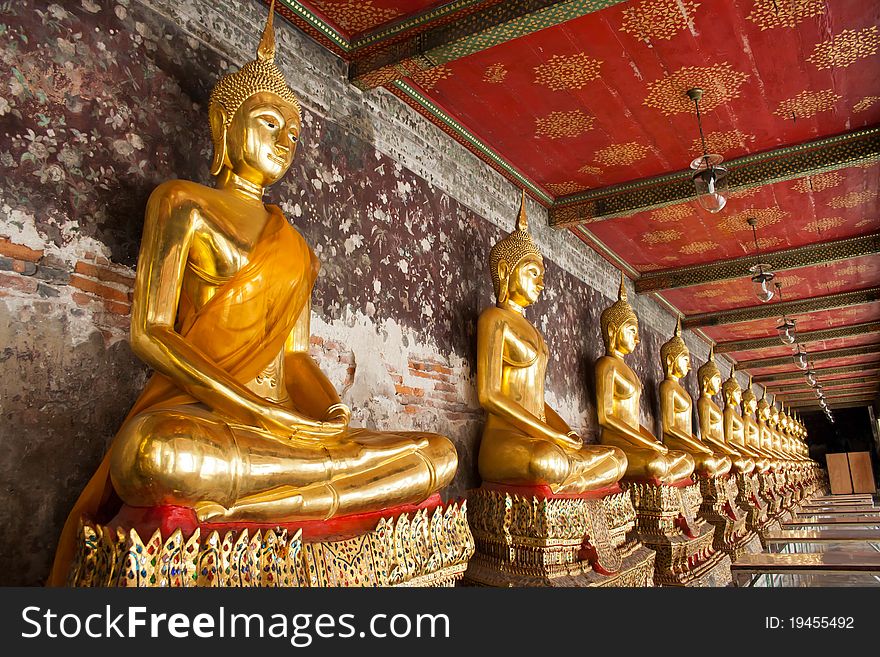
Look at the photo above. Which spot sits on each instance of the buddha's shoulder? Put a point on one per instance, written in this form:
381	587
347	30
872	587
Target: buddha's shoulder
183	193
495	314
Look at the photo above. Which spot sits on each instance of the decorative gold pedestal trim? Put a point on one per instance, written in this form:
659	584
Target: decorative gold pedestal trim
720	509
426	548
749	498
682	559
537	541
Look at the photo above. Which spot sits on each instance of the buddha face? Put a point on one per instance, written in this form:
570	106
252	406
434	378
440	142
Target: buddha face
734	396
627	337
750	406
681	365
526	281
261	139
712	384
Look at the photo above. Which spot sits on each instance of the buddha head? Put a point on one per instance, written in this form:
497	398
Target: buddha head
255	118
763	408
709	376
732	391
516	265
774	416
620	326
675	356
749	401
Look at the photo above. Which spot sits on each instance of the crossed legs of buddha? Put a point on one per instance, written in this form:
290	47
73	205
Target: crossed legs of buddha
187	456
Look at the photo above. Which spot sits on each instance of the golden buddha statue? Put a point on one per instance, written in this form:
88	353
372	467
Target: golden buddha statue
775	435
525	442
618	391
734	425
676	409
766	433
712	420
751	429
238	423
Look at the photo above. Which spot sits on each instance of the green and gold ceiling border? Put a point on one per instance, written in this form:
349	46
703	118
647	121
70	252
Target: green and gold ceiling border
846	352
747	172
803	338
795	387
803	256
770	379
796	307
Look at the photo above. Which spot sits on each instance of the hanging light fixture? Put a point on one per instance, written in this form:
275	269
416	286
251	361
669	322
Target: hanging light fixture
800	359
788	328
761	274
710	179
811	377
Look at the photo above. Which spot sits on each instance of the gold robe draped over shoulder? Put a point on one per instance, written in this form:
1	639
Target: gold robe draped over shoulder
242	328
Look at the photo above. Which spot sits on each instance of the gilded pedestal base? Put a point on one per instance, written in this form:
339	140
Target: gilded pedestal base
430	547
720	509
536	540
749	499
667	522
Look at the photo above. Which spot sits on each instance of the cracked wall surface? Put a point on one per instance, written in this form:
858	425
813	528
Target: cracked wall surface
101	100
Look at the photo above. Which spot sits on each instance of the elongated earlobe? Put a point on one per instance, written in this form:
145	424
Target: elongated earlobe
503	282
217	120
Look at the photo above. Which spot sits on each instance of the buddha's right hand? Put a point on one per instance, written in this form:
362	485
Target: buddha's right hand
282	422
569	440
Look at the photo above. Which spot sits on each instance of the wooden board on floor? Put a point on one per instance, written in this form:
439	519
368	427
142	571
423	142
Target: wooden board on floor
810	562
861	472
851	497
838	473
837	511
822	536
840	520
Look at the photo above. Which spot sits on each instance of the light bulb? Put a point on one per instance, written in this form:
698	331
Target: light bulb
710	183
787	331
761	282
800	360
811	378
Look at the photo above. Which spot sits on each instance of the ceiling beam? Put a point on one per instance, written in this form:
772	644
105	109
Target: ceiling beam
803	338
804	256
795	307
385	55
843	369
846	352
829	394
750	171
782	389
840	402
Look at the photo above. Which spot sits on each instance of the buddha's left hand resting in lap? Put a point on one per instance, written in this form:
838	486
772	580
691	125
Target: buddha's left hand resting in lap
238	422
525	442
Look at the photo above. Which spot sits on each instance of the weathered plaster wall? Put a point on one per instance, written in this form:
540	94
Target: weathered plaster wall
100	100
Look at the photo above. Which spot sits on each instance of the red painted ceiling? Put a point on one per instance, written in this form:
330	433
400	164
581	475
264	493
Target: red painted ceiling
763	328
353	17
802	283
570	92
831	362
822	345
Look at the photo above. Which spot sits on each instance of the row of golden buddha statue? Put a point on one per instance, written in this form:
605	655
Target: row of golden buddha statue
237	465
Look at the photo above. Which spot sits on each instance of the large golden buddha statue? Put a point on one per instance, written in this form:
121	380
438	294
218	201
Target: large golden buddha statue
711	418
618	391
676	409
525	442
734	424
238	423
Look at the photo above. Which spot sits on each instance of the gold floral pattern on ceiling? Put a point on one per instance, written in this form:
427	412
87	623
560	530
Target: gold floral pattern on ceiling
818	183
769	242
846	48
764	216
720	83
790	280
567	71
852	270
865	222
660	237
495	74
745	193
427	80
355	16
590	170
852	199
807	104
698	248
621	155
567	187
672	213
768	14
865	104
557	125
722	142
826	223
832	285
711	293
658	19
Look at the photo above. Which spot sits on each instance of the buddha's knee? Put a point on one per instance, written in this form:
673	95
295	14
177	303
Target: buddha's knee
620	461
549	464
658	468
443	456
683	465
724	464
166	459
